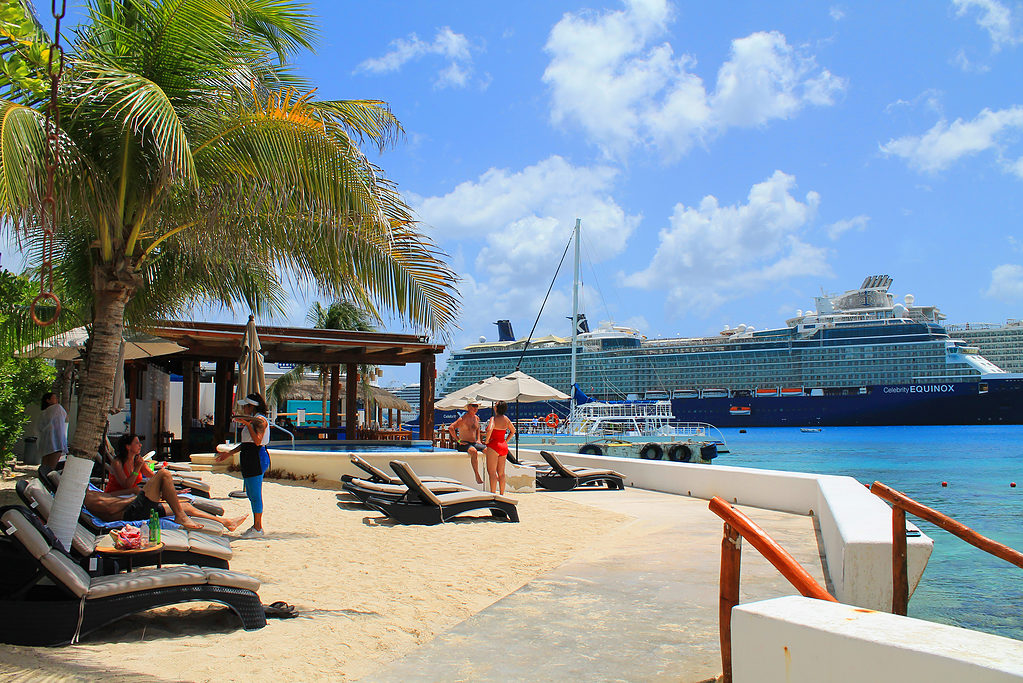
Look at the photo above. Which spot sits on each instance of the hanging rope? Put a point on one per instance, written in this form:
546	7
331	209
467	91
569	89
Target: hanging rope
540	312
48	213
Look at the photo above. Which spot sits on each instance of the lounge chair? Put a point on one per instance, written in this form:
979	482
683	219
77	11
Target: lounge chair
380	477
562	478
36	613
434	508
180	545
363	490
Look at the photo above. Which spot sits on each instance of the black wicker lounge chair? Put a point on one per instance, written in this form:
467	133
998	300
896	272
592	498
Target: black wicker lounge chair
180	545
36	613
364	490
378	476
433	508
562	478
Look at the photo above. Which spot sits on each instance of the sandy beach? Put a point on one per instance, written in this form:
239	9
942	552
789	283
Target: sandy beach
368	591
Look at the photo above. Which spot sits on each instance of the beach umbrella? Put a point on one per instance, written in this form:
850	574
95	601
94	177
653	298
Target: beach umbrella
71	344
251	379
458	399
520	388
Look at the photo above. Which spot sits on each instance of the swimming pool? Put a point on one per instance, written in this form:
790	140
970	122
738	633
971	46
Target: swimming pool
325	446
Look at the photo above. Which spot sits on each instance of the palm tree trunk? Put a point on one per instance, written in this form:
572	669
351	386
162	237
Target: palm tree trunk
96	382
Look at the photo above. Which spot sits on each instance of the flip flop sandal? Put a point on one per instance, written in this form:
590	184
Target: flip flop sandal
280	610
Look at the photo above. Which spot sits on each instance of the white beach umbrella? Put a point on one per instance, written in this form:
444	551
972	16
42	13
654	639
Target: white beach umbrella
518	386
458	399
70	345
251	378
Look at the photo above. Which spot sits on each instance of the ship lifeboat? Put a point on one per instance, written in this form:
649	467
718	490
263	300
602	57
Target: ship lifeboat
686	393
792	391
739	410
715	393
761	393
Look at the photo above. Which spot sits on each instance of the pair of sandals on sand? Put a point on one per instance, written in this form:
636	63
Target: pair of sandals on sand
280	610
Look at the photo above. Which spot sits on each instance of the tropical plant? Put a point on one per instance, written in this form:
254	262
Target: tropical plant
22	380
195	167
340	315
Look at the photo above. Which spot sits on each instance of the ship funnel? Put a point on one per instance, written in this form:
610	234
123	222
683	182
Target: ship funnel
504	331
581	324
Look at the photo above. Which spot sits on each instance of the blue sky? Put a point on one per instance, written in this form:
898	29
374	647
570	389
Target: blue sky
728	160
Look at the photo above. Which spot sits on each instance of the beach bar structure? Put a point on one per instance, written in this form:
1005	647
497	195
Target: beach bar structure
221	343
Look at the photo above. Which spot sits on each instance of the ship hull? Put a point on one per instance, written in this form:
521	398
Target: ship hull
961	403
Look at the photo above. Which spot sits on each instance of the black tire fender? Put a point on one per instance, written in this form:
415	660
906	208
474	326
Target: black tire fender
680	453
651	451
591	449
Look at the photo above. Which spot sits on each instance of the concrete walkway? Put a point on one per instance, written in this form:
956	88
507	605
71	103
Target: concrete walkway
640	607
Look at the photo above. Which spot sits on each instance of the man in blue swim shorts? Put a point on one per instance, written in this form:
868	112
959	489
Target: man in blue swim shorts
466	432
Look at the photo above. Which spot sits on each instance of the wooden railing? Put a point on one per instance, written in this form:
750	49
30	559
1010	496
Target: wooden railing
901	504
738	526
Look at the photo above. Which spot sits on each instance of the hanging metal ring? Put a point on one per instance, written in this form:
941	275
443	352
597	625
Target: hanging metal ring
41	297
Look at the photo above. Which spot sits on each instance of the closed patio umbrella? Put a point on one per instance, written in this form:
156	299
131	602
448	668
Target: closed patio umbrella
251	378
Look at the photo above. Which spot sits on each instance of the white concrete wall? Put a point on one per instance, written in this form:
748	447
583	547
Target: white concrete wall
800	640
855	525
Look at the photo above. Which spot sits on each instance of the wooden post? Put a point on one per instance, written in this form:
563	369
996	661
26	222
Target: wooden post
731	558
351	397
426	380
223	399
900	572
187	407
390	418
133	384
335	394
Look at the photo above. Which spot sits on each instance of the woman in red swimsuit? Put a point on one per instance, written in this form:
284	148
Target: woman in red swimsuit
498	429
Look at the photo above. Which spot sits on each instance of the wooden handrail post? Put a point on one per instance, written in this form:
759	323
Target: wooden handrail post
900	571
901	500
731	558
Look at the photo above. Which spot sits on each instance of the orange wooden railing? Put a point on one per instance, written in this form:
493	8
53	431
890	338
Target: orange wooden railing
739	525
901	504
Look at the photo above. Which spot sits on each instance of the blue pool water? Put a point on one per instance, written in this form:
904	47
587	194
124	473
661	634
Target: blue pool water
357	447
962	585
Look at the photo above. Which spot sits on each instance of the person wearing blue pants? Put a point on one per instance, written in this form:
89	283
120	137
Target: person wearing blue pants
254	458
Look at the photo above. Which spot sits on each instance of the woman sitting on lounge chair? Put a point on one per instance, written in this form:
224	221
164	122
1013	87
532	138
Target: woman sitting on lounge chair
498	429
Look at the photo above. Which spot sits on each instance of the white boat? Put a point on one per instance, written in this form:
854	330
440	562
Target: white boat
644	429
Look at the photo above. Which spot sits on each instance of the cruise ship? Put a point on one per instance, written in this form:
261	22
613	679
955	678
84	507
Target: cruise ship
859	358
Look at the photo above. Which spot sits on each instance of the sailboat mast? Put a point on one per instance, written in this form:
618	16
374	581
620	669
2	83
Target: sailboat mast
575	308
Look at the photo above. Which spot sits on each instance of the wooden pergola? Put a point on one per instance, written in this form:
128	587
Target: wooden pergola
222	343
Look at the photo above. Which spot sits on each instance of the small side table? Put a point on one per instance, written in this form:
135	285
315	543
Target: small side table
106	548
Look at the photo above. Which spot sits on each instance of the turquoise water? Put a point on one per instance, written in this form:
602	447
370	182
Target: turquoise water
962	585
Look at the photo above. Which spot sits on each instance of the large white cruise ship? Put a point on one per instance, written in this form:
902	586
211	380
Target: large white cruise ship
860	357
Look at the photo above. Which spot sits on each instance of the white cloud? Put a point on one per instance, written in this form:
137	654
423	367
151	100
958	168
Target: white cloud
960	60
1006	282
711	254
994	17
839	228
451	46
945	143
524	220
608	75
837	13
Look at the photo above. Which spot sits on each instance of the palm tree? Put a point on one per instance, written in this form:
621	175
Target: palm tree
340	315
194	165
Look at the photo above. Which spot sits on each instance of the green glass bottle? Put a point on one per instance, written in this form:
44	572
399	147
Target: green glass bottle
154	527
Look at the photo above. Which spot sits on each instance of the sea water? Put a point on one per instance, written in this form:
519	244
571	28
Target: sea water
962	585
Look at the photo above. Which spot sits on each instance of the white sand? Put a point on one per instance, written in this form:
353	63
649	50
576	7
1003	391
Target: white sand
368	591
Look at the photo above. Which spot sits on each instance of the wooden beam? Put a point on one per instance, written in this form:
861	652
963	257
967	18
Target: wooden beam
335	394
427	372
224	394
351	397
187	406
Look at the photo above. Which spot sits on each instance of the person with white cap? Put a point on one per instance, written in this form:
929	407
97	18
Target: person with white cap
254	459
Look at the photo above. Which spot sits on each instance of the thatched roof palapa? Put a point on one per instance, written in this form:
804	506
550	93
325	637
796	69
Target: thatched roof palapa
311	390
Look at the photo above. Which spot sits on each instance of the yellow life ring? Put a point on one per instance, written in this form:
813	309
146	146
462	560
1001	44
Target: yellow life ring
552	420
